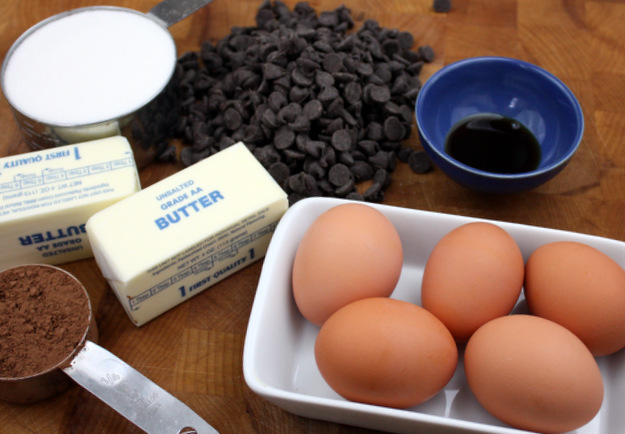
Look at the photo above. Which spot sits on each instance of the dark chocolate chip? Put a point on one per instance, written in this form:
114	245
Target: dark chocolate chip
289	112
383	71
369	147
186	156
393	129
202	141
328	19
382	177
406	114
307	65
406	40
376	79
341	140
323	46
392	108
427	53
380	94
346	158
381	160
325	186
441	5
292	154
300	78
420	162
280	172
328	94
298	94
344	77
253	134
404	153
328	158
315	148
345	189
339	174
335	108
362	171
301	140
400	85
302	183
390	146
284	137
347	44
333	126
225	142
332	63
264	17
313	109
353	92
354	195
270	119
271	71
277	100
364	69
390	47
324	79
168	154
300	124
232	119
375	131
374	193
312	167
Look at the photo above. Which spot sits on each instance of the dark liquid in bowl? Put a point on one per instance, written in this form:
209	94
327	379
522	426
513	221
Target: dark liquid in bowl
493	143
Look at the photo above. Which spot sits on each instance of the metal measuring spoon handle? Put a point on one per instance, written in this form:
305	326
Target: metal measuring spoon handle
131	394
171	11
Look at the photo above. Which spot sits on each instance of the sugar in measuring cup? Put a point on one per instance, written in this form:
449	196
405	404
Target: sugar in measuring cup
96	72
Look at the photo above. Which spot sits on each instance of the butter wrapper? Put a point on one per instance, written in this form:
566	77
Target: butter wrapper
48	196
187	232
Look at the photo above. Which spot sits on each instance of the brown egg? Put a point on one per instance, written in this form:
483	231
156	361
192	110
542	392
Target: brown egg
474	274
580	288
351	251
533	374
386	352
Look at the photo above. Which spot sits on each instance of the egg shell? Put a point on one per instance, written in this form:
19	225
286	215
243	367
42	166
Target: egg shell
580	288
474	274
533	374
385	352
349	252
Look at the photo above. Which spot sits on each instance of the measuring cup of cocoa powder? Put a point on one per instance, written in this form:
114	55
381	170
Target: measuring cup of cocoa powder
96	72
46	316
47	339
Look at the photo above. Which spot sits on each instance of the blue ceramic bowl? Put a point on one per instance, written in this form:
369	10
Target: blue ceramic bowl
508	87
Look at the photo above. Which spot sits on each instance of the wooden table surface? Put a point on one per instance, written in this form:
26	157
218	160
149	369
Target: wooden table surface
195	350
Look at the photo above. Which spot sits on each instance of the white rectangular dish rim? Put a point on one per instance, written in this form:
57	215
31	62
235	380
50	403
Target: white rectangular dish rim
278	362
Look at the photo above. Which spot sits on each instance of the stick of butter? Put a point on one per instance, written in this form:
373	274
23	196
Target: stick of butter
48	195
187	232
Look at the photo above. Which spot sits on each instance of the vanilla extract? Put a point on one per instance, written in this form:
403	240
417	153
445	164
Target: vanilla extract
493	143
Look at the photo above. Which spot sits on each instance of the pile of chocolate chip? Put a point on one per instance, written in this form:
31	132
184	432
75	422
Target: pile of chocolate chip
322	108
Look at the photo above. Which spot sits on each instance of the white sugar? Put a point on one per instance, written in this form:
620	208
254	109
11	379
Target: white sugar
89	66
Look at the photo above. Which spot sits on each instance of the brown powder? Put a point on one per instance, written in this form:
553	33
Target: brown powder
44	313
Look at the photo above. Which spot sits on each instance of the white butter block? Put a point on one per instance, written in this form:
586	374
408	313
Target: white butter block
48	195
187	232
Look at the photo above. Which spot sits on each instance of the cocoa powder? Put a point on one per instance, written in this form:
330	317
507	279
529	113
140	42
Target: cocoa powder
45	313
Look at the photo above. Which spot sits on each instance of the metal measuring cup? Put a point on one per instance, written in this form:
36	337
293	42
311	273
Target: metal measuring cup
109	378
137	125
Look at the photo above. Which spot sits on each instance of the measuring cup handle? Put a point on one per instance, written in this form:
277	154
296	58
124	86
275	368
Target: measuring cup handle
131	394
169	12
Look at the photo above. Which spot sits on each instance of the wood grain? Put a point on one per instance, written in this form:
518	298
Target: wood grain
195	350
